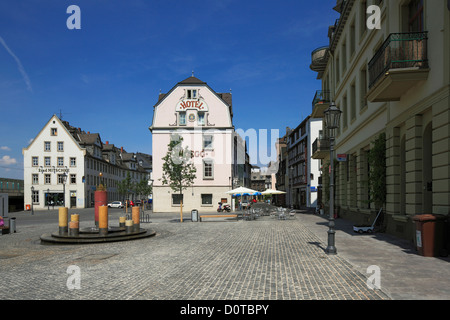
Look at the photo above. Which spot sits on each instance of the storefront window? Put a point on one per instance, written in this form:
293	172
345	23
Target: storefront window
54	199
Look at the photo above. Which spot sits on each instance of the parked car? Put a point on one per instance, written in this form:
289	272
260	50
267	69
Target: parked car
115	204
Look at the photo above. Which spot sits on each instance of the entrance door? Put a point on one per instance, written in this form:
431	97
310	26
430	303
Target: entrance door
73	199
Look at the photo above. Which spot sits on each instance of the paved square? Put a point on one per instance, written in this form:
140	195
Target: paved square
218	259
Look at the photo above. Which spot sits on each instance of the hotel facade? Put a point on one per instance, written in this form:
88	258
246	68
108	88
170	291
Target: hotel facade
392	80
203	118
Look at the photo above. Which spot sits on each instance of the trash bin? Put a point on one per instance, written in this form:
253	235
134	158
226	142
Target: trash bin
429	234
12	225
194	215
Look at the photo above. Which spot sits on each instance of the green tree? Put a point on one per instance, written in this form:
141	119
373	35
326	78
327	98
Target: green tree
178	170
142	188
124	186
377	174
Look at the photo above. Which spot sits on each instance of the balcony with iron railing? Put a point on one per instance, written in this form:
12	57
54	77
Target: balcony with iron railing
320	103
321	146
319	58
400	63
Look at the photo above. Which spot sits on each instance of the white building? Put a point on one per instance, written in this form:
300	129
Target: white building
63	165
203	118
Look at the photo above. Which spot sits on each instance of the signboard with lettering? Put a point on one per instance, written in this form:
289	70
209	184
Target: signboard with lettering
53	169
341	157
192	104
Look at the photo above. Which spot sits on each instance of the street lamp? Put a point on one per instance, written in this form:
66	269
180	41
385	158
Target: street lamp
332	117
48	200
32	200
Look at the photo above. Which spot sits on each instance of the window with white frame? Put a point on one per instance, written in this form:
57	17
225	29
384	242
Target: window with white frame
60	161
182	118
191	94
201	118
35	196
73	178
47	162
73	162
208	142
35	178
47	179
47	146
53	131
208	169
60	146
35	161
61	179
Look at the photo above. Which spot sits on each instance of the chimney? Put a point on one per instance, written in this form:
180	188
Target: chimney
89	132
121	149
107	142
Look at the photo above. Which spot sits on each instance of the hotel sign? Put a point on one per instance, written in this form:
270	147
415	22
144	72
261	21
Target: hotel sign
192	104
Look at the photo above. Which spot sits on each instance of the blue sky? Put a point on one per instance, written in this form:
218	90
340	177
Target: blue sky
106	77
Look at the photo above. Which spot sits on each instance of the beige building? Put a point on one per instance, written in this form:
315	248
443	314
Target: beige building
391	78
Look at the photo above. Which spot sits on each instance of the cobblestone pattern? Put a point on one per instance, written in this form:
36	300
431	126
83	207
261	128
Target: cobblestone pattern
224	260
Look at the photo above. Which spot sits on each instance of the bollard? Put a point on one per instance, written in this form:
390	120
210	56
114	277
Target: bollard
136	218
103	220
63	215
75	217
122	222
129	226
74	228
12	225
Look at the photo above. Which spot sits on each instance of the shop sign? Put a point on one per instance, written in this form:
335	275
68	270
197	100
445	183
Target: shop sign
53	170
341	157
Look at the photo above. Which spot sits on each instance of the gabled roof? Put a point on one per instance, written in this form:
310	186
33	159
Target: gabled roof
89	138
192	80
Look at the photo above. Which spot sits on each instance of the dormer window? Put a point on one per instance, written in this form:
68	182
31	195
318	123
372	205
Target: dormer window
191	94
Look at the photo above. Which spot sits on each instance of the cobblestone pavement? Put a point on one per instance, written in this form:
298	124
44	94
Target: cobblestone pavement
217	259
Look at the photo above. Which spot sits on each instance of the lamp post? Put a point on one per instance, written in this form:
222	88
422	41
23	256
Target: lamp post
332	117
64	188
32	200
48	200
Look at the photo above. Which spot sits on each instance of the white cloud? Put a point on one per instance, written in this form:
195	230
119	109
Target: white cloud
5	148
19	65
7	160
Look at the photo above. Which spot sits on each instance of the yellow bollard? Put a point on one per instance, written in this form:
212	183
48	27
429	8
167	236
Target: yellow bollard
63	216
75	217
136	218
122	221
129	226
103	220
